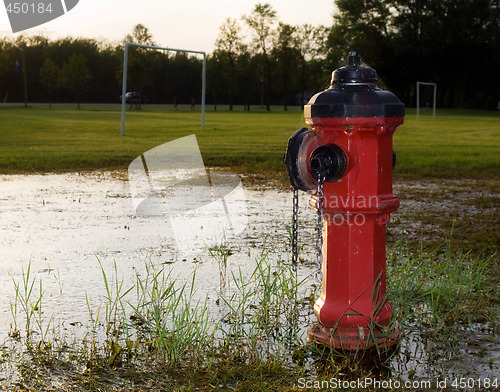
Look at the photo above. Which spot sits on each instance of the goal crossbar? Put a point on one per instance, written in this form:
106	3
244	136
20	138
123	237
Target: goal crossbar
125	69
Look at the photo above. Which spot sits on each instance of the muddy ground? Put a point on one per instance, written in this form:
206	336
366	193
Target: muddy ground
465	211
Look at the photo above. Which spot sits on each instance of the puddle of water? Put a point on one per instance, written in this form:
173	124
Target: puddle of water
65	224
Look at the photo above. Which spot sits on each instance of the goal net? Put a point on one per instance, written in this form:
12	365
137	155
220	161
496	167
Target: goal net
125	74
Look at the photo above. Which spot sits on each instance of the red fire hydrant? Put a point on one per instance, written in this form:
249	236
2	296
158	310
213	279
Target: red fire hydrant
349	154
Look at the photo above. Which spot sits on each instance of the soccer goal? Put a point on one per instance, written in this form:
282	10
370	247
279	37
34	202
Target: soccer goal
434	99
125	68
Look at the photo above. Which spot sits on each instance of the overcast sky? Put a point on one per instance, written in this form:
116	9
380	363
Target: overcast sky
182	24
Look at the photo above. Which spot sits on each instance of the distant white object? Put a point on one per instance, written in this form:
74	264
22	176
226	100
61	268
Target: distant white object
418	98
125	68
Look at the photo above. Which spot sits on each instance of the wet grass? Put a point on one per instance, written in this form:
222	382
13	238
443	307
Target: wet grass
161	334
452	288
458	144
165	338
65	139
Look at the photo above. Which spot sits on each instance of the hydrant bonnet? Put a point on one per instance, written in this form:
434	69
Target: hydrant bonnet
354	94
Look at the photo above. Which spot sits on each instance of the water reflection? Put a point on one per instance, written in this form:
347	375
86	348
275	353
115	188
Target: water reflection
63	224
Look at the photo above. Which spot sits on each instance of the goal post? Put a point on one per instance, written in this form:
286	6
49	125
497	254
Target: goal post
434	99
125	70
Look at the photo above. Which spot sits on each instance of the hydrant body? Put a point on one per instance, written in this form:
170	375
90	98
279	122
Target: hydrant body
350	148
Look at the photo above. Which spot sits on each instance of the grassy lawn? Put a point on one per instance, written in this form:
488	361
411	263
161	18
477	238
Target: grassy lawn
456	144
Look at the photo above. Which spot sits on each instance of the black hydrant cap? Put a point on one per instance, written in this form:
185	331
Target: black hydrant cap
354	93
354	72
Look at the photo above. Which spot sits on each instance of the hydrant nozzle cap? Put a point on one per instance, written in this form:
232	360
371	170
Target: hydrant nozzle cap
354	72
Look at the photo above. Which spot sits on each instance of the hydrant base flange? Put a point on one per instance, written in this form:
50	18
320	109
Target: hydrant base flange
352	339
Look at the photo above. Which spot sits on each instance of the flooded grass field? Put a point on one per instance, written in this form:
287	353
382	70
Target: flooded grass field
99	298
104	290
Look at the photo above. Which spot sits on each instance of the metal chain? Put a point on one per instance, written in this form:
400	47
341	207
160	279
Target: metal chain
295	229
319	228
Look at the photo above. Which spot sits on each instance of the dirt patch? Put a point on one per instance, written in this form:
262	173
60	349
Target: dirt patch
465	211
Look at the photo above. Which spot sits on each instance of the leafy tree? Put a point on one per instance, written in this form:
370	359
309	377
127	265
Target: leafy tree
75	76
248	88
454	43
309	41
360	25
4	66
441	41
261	21
50	77
215	86
141	35
229	46
141	61
287	55
230	37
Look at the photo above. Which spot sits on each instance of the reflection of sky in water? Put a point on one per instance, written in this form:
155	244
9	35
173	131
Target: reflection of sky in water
171	181
64	223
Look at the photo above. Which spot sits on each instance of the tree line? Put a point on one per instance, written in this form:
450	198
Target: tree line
260	60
